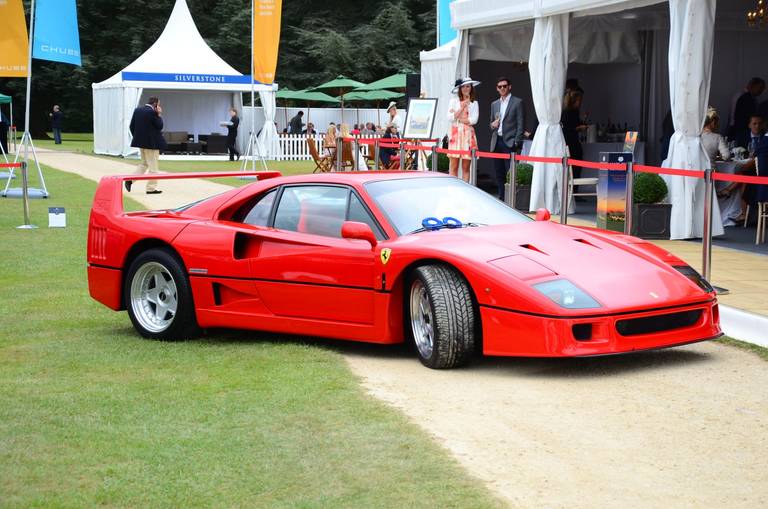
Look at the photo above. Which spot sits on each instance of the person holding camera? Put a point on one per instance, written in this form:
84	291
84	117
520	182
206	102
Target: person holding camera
147	130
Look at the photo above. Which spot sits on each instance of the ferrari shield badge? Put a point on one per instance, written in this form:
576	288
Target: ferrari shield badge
385	255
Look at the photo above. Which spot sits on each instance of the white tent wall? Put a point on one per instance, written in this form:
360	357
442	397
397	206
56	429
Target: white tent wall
633	87
108	114
196	112
438	70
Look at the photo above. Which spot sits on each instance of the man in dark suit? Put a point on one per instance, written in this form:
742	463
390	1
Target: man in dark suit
745	107
234	122
296	125
507	127
147	130
57	118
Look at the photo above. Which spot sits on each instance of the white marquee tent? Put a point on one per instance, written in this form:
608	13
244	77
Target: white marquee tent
668	45
195	86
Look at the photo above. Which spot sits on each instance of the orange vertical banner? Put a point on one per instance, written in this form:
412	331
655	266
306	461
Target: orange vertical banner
14	42
266	39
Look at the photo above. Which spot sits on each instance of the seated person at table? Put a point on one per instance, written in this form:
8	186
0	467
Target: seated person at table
329	142
756	131
712	142
385	154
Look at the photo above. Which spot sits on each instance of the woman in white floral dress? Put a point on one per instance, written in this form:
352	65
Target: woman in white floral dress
463	112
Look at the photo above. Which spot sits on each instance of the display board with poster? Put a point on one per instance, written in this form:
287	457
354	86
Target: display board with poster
420	119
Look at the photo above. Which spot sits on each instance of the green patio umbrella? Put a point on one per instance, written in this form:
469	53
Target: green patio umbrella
340	86
307	96
394	82
375	96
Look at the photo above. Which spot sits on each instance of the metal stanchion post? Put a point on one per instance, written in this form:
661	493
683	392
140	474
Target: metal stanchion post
512	180
402	155
473	167
434	157
628	199
25	198
706	239
564	193
356	148
339	152
376	154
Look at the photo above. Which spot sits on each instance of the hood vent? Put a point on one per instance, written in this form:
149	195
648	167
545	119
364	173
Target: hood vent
533	248
586	242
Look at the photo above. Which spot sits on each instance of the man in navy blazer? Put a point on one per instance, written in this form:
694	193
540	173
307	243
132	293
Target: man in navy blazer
506	129
147	130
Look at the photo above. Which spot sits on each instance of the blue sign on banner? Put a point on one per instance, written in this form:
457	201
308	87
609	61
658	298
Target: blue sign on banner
445	32
56	35
187	78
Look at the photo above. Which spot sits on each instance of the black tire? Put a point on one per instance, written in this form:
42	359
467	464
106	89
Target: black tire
439	302
158	297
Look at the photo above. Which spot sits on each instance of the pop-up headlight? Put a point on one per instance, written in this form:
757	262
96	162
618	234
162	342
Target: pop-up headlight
698	279
566	294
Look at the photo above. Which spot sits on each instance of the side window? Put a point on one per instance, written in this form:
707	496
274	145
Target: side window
259	213
319	210
357	212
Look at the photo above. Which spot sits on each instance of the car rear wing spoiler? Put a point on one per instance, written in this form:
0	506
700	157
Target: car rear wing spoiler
109	193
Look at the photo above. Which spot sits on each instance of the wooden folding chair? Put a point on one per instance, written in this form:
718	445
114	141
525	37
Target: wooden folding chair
347	156
322	163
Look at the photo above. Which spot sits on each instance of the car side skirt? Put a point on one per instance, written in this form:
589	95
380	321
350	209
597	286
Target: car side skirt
513	333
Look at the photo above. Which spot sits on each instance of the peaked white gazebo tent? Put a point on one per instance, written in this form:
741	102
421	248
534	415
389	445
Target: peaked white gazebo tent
195	86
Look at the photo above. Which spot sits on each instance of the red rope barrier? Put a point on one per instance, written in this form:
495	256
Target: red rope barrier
534	159
598	166
746	179
669	171
493	155
369	141
10	165
417	147
453	152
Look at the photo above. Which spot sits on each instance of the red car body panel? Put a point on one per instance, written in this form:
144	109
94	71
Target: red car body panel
262	278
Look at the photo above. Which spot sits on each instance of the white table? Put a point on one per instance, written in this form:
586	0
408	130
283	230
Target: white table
730	207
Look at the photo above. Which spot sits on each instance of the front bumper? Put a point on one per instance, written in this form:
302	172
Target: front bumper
512	333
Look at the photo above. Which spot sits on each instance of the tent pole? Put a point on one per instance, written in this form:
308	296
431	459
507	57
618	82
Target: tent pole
253	102
26	138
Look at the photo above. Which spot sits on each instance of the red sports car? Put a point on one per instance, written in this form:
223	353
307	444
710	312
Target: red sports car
389	257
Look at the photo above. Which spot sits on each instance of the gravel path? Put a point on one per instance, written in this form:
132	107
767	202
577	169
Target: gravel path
684	427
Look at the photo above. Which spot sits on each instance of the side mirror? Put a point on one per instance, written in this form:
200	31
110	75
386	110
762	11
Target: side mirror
358	231
543	215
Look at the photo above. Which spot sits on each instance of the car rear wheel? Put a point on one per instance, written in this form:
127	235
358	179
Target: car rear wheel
442	317
158	297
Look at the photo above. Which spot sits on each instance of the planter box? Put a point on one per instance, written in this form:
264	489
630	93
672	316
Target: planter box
651	220
522	197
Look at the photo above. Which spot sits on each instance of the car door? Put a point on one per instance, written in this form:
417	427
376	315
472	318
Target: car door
303	268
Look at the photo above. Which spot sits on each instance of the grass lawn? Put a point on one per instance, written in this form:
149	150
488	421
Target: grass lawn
91	414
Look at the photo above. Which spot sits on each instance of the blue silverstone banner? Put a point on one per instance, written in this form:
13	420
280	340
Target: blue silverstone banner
187	78
445	33
56	35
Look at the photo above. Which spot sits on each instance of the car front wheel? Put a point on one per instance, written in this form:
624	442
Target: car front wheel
158	297
442	317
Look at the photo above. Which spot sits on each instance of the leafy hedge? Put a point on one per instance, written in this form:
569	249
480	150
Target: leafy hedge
648	188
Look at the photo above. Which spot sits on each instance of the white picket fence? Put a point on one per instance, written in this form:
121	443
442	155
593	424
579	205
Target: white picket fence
294	146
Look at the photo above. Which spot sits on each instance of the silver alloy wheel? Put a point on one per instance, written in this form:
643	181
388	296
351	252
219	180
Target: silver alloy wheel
154	297
422	321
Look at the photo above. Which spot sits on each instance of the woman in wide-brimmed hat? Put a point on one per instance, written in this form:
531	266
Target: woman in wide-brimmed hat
463	112
394	118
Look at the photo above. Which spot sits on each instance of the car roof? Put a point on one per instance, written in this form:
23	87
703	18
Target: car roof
355	177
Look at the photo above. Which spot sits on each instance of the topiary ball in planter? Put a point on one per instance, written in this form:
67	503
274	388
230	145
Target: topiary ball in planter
442	162
523	179
648	188
650	219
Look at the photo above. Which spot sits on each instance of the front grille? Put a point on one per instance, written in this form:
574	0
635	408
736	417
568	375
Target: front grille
658	323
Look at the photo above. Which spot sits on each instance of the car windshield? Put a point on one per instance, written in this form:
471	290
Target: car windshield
407	203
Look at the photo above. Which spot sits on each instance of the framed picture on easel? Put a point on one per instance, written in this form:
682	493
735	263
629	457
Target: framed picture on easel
420	119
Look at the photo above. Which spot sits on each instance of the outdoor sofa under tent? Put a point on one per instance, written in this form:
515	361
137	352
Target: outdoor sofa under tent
195	86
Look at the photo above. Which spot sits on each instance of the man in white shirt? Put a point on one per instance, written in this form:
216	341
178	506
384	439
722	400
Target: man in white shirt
507	127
